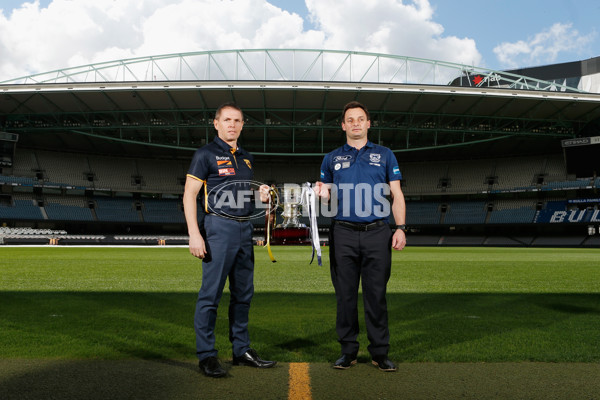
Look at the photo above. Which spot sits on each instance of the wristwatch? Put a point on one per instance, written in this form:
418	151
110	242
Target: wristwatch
401	227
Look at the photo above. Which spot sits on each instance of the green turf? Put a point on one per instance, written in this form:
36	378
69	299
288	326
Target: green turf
166	379
445	304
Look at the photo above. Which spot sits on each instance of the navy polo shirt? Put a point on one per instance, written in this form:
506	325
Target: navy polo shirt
360	181
227	174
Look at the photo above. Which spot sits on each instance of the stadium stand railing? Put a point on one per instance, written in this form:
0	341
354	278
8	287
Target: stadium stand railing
569	185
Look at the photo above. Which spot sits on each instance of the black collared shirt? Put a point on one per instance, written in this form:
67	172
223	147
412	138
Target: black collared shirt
227	174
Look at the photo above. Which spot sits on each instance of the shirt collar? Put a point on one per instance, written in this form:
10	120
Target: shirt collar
369	145
224	146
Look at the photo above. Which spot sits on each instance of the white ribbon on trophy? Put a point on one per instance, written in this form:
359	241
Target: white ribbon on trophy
310	199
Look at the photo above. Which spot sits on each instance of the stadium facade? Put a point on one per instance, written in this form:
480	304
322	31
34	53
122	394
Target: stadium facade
488	157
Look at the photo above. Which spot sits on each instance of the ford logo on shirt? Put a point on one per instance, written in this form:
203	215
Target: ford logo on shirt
342	158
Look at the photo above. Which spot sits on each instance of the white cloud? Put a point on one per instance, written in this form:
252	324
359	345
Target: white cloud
389	26
70	33
544	47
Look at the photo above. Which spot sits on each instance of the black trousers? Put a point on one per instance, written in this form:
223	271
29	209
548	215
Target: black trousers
356	255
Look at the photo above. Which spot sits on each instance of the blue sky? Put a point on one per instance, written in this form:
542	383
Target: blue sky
493	22
44	35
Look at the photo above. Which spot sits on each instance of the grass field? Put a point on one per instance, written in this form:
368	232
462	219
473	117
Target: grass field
446	305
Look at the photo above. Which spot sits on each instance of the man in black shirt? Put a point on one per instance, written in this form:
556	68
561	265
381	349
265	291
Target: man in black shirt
225	241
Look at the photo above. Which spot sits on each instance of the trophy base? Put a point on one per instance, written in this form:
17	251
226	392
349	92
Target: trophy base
290	236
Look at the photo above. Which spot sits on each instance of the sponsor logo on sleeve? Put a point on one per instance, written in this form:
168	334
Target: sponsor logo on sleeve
322	175
396	171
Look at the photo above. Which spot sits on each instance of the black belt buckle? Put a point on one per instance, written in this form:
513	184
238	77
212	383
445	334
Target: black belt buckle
367	227
361	227
373	225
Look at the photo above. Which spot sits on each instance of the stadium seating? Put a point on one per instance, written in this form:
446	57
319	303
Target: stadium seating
513	212
7	231
163	211
162	176
555	169
116	174
422	213
25	164
463	212
469	176
519	175
57	168
58	187
21	209
423	178
122	174
67	208
116	209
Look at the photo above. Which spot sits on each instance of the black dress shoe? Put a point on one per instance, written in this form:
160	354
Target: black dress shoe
211	366
251	359
384	364
345	361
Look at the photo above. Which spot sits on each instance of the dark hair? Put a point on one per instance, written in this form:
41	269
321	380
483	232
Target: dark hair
230	104
355	104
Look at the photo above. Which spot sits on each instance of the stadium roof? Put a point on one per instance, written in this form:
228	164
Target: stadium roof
292	100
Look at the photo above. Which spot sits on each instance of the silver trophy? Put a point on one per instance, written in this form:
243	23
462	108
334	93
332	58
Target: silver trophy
292	206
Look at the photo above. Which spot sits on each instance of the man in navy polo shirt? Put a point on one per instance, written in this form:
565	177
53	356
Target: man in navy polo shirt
359	176
225	241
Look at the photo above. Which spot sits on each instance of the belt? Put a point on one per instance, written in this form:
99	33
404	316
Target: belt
238	219
356	226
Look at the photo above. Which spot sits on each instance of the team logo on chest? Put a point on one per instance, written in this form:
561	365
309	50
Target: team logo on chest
374	159
248	163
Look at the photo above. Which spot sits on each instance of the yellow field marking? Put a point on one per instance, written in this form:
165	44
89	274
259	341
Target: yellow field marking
299	382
